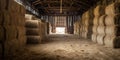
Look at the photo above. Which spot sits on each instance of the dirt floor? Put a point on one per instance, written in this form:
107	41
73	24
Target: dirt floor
68	47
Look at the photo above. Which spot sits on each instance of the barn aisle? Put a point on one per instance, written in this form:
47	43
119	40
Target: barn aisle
69	47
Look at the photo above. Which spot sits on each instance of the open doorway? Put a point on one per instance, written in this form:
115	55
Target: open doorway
60	30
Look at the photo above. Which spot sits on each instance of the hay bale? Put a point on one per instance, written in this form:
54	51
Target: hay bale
22	11
86	21
28	17
11	47
101	29
112	20
86	28
21	36
32	31
95	29
112	41
13	6
7	18
100	39
94	37
96	21
11	32
99	10
14	20
113	30
102	20
85	35
33	39
32	23
113	9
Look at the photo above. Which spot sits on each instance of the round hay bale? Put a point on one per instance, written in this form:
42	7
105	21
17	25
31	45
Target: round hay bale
86	14
99	10
86	28
33	39
113	20
100	39
87	22
95	29
113	9
112	41
102	20
101	29
32	23
32	31
85	35
96	20
112	30
94	37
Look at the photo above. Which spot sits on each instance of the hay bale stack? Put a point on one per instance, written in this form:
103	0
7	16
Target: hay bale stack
113	9
33	39
12	26
101	30
43	29
86	24
32	30
90	23
28	17
36	29
76	27
112	22
98	11
32	24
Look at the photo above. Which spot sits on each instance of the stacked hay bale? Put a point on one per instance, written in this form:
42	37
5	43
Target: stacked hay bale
112	21
98	11
76	27
101	30
32	30
12	30
43	28
88	24
80	25
83	26
36	29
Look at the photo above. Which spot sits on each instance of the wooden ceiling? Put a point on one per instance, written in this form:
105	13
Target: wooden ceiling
69	7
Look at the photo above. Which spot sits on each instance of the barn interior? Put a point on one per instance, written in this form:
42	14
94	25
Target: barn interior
60	30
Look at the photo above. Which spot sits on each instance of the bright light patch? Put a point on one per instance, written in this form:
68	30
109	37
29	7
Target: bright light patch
60	30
